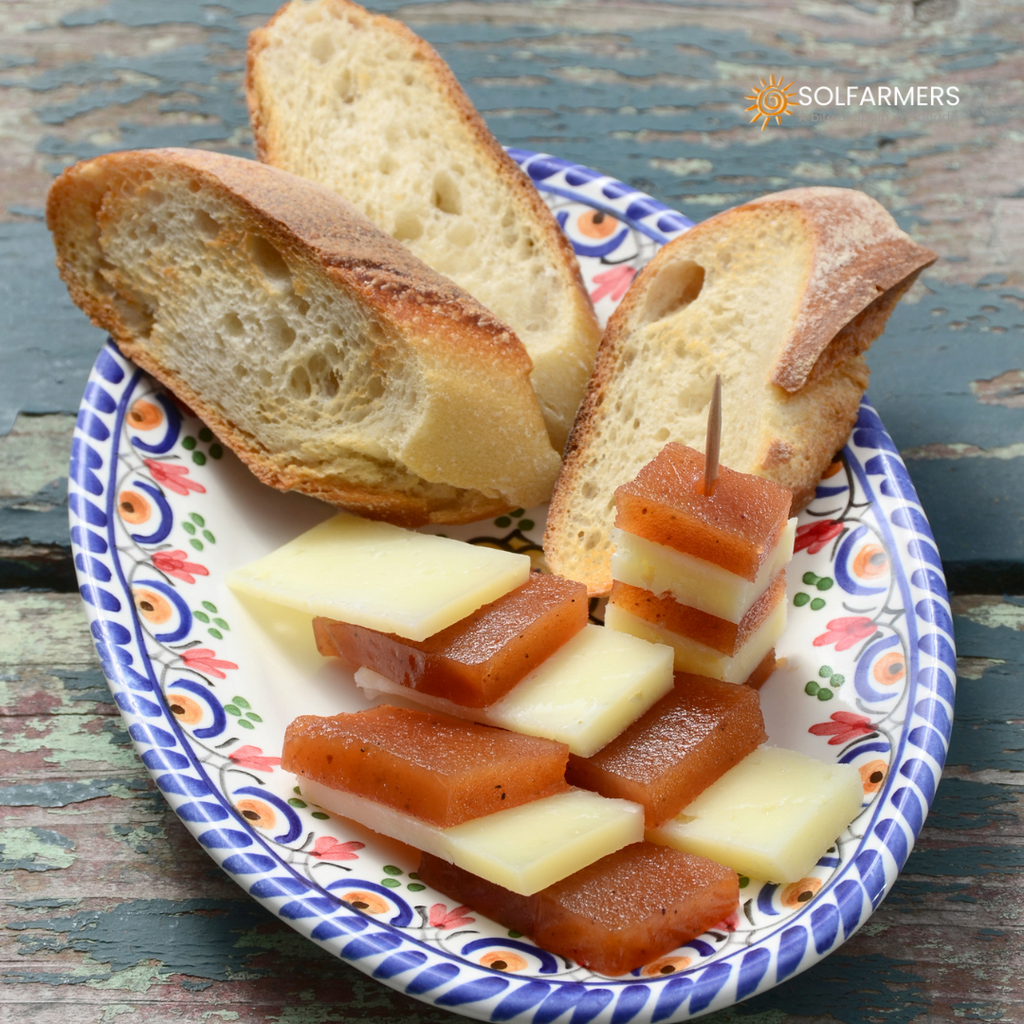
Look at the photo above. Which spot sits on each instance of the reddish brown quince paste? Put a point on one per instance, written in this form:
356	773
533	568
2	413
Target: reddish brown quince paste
735	527
437	768
718	634
479	659
613	916
691	737
760	674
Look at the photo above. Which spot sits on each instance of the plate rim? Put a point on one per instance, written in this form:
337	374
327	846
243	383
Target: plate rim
365	942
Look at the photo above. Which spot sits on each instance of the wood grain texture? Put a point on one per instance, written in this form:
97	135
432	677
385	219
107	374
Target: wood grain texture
108	908
654	94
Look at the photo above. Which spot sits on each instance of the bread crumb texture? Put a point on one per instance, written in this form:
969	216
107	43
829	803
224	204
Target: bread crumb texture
763	286
315	346
363	106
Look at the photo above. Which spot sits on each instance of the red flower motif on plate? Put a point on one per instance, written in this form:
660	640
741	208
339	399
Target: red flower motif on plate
614	282
442	917
845	726
814	536
327	848
174	564
202	660
174	478
845	632
253	758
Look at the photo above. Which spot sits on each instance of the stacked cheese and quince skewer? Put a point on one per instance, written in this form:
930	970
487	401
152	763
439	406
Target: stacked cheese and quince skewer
471	632
699	563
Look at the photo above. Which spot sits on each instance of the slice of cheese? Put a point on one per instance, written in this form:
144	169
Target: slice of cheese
530	847
700	659
771	817
380	818
585	694
589	690
694	581
381	576
525	848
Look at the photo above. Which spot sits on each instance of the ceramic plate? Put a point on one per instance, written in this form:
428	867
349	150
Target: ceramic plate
207	682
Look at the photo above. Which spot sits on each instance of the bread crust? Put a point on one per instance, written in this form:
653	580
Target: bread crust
815	370
559	398
268	151
311	224
861	260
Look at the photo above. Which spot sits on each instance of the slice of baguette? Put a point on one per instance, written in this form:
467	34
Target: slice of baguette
318	348
782	296
360	104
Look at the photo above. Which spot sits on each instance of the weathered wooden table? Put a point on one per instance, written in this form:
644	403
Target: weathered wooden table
109	908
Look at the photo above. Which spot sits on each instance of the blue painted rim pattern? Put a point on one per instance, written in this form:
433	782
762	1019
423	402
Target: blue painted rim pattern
875	475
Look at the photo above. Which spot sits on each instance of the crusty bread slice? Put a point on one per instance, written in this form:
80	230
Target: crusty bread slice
782	296
360	104
318	348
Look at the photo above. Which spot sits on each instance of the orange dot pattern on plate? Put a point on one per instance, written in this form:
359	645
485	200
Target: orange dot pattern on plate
144	415
257	812
367	902
666	965
503	960
596	224
873	775
153	607
185	709
797	893
871	561
890	668
133	508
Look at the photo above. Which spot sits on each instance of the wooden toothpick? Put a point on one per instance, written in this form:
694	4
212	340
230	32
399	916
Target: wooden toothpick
713	443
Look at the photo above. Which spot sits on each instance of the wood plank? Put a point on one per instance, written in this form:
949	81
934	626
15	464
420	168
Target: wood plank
109	908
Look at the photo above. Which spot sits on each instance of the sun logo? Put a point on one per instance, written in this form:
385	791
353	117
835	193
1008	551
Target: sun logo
771	100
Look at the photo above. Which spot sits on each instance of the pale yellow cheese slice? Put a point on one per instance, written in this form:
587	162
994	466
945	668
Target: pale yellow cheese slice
585	694
771	817
525	848
700	659
694	581
530	847
381	576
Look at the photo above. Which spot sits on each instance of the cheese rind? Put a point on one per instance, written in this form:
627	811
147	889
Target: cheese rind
381	576
584	695
697	658
694	581
525	849
771	817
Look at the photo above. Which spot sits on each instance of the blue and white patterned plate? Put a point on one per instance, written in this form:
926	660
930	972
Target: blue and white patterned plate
207	682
